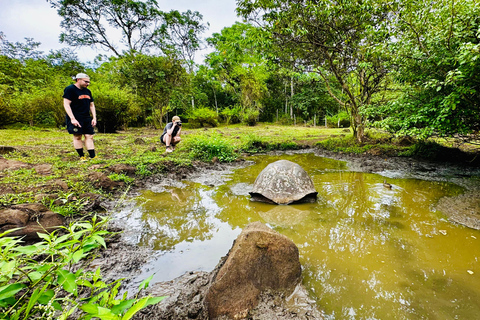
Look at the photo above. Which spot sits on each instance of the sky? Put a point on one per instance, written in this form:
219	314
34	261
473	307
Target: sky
20	19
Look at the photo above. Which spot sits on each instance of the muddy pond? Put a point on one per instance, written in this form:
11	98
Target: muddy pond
368	252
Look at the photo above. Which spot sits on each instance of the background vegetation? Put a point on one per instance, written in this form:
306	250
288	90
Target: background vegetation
409	67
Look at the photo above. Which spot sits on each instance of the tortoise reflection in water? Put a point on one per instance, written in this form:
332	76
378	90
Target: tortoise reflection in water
283	182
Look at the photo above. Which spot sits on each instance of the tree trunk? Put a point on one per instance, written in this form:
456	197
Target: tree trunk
215	96
291	96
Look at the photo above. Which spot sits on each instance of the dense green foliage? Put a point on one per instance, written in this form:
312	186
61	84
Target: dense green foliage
436	58
409	67
43	280
207	147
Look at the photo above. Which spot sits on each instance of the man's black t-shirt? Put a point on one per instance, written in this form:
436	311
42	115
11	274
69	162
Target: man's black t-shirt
81	99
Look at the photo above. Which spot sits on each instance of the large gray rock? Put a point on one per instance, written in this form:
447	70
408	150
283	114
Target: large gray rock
31	218
260	260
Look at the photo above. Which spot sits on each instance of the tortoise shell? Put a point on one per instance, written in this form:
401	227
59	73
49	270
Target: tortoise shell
283	182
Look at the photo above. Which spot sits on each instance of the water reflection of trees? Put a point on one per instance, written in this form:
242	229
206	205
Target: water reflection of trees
177	215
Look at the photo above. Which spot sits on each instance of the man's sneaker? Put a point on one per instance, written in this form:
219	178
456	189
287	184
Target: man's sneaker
169	149
83	159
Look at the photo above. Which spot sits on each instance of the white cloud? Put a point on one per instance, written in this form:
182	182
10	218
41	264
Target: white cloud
20	19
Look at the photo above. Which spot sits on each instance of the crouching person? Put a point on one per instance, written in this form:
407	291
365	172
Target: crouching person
171	134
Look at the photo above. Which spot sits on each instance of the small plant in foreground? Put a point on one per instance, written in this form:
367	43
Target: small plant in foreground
205	148
41	280
121	177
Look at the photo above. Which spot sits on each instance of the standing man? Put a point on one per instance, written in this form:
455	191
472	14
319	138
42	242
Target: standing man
171	134
78	104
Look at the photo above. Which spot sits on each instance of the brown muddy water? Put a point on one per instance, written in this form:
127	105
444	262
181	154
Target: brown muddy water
367	252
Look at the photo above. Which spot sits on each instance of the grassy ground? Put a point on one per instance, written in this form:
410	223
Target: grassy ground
141	149
137	147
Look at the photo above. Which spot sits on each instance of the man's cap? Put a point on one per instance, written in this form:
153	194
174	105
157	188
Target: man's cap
81	76
175	118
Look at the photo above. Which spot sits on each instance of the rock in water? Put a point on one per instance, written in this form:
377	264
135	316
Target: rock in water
260	260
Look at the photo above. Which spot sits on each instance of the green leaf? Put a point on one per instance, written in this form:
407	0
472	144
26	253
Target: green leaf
46	297
85	283
44	236
142	303
5	303
34	276
10	290
100	240
67	280
154	300
8	268
37	293
27	249
78	255
136	307
90	308
145	283
122	306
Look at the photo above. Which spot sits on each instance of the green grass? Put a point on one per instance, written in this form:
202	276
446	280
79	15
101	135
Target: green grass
141	148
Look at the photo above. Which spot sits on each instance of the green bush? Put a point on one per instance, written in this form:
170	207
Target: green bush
115	107
40	281
39	106
254	144
424	149
346	144
231	115
207	147
200	117
340	120
250	117
284	119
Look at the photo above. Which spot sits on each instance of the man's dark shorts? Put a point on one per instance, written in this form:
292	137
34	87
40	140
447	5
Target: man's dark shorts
85	129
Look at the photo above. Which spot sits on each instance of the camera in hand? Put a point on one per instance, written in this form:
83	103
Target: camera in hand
179	123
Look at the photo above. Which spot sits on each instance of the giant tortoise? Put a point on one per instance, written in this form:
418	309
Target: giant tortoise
283	182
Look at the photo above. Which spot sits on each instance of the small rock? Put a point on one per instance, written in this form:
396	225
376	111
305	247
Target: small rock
44	169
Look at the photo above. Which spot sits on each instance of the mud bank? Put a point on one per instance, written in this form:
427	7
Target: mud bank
186	293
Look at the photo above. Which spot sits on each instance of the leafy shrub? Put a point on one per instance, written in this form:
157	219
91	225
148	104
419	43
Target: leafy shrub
39	106
231	115
343	144
284	119
250	117
121	177
340	120
115	107
205	148
200	117
39	281
254	144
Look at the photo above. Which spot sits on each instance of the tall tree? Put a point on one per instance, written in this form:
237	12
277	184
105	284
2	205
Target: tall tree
143	27
20	50
240	66
156	80
342	41
437	58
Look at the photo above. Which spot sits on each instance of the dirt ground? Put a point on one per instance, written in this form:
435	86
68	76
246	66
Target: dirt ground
186	293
